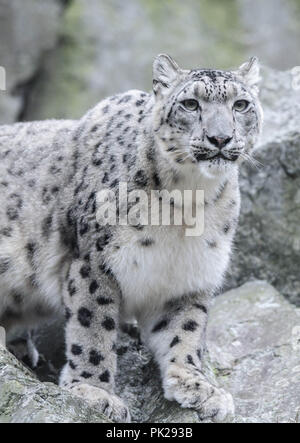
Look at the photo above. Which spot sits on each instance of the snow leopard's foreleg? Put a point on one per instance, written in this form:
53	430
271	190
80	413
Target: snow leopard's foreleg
176	335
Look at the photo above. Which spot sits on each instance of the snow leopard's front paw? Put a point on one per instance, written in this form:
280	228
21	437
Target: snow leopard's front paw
109	404
191	389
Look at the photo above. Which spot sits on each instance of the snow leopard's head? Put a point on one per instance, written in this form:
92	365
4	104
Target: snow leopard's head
204	116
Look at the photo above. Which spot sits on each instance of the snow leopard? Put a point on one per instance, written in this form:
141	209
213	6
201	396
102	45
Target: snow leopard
191	132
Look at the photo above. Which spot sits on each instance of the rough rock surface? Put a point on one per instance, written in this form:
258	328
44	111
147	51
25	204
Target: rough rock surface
26	32
254	346
24	399
268	239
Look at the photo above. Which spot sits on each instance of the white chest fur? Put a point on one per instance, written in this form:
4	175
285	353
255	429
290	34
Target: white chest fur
174	264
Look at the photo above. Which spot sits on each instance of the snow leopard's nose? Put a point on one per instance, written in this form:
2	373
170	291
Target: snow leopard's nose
219	141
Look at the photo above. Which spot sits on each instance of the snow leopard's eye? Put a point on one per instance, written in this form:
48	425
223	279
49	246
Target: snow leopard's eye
190	104
241	105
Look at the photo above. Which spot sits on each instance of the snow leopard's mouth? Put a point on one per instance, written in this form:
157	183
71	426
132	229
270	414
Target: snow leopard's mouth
217	157
220	155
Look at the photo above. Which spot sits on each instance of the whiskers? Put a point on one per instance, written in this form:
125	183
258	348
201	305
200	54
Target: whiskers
200	153
178	155
184	157
253	161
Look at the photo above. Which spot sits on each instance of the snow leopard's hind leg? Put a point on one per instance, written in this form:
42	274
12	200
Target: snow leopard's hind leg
176	335
92	301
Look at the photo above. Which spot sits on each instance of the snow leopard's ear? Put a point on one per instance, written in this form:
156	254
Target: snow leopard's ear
165	72
250	72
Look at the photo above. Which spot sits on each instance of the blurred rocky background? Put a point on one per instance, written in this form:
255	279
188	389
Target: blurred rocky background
61	58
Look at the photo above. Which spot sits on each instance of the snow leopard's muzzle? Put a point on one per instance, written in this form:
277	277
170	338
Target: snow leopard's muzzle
222	147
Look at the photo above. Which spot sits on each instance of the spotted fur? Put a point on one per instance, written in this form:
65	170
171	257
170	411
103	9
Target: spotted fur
55	255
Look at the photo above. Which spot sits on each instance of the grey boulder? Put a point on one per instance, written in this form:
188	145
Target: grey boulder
24	399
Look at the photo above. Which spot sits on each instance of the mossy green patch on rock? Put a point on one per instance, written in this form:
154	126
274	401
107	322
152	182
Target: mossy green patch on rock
108	47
